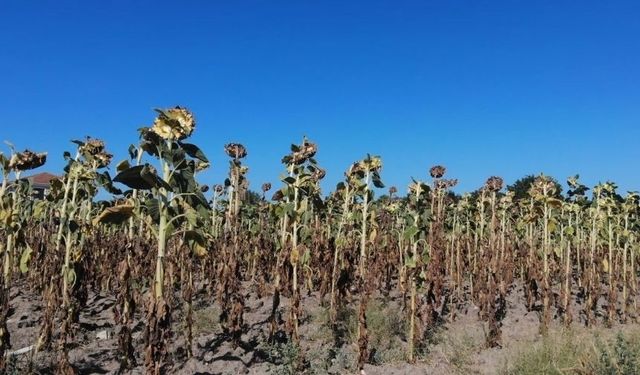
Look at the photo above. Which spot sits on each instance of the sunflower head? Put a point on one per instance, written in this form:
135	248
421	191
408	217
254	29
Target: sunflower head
445	184
103	159
278	196
26	160
494	183
373	163
355	169
319	174
304	152
437	171
91	147
235	150
201	165
174	124
94	152
309	149
266	187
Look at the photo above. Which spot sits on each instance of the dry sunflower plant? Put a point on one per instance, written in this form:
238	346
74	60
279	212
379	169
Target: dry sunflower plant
166	242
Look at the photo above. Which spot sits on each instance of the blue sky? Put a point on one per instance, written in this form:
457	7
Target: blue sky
485	88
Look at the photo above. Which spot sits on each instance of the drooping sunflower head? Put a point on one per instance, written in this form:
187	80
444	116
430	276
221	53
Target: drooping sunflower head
631	201
302	153
319	174
91	147
445	184
26	160
201	165
494	183
437	171
103	159
235	150
278	196
373	163
355	171
174	124
94	152
266	187
309	149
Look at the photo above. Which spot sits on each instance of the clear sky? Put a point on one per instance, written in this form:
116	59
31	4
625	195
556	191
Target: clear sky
485	88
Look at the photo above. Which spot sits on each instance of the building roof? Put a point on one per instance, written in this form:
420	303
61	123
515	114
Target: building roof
40	180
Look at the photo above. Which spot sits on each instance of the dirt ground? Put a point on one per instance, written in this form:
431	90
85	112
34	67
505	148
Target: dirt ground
457	347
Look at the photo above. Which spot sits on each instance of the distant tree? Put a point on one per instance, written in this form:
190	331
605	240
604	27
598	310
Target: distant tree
453	196
521	187
475	195
384	198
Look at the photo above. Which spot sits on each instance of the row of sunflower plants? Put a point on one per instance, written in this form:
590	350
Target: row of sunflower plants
176	243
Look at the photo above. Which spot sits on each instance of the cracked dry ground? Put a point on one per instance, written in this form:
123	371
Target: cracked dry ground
458	346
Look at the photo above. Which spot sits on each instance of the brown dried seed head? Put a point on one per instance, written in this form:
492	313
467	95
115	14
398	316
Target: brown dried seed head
494	183
305	151
543	185
26	160
266	187
440	185
278	196
355	168
92	146
374	164
309	149
235	150
201	165
319	174
103	159
437	171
